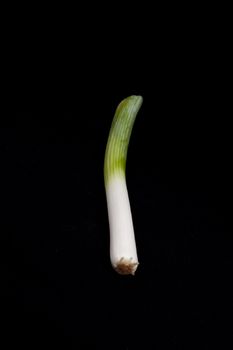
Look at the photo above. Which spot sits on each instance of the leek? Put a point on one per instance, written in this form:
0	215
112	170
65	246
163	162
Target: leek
123	251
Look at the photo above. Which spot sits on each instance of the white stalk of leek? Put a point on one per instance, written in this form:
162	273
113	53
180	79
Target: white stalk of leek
123	251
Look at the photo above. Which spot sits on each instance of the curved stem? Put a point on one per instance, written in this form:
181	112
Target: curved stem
123	252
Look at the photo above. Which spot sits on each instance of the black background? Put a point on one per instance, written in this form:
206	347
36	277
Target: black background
58	287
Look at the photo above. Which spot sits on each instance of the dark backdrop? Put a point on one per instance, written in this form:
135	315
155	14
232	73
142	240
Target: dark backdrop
58	288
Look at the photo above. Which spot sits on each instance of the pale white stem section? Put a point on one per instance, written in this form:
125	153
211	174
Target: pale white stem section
123	251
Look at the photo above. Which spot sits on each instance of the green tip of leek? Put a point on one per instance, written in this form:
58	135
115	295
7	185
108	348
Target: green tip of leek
119	136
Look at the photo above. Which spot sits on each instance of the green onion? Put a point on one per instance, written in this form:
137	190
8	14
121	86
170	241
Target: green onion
123	251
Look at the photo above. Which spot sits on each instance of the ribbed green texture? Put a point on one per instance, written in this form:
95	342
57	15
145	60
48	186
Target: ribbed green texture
119	136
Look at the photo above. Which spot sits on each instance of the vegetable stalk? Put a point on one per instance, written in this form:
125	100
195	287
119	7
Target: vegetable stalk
123	251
